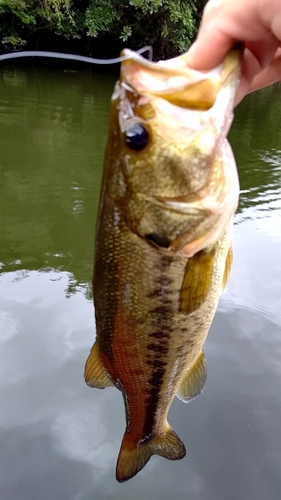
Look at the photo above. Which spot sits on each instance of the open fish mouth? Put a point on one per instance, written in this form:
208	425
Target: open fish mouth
173	81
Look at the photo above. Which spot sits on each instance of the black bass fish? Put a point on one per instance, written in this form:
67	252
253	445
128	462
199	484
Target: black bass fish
163	243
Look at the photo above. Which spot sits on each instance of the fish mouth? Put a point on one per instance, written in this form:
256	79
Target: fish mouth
174	82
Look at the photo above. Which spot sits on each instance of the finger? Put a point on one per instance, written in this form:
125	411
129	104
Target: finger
224	23
250	68
254	77
209	50
269	75
212	42
264	49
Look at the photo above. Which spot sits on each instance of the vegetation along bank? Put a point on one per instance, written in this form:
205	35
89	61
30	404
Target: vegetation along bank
99	27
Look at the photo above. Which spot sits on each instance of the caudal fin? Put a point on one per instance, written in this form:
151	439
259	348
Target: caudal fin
132	458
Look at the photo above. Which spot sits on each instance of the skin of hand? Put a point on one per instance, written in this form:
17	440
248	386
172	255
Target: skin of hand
255	23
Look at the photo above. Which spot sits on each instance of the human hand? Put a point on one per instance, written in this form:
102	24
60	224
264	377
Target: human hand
256	23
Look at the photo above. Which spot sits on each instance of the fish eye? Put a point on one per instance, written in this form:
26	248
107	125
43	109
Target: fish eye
137	137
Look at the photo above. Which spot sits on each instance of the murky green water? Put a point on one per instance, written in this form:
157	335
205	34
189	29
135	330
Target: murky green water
59	439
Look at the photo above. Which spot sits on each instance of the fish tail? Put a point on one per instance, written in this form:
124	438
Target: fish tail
133	457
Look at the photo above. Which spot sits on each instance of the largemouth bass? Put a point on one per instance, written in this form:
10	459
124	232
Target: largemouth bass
163	243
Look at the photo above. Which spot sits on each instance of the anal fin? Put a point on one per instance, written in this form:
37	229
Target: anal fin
194	381
95	374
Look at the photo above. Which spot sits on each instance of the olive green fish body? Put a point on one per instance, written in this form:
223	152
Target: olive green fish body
163	249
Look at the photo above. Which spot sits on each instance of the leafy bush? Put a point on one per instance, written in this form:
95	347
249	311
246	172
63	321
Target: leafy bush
168	25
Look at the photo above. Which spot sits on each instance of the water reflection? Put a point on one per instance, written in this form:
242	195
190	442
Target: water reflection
52	139
256	139
58	438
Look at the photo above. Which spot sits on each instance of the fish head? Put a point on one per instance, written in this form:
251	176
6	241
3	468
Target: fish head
175	177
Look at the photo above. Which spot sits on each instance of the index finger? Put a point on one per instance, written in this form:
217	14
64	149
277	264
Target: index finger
224	23
209	49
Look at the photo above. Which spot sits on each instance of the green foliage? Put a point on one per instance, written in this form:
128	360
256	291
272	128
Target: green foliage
126	33
99	16
57	12
13	12
168	25
147	6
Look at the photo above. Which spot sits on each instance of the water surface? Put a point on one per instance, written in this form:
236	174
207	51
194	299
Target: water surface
58	438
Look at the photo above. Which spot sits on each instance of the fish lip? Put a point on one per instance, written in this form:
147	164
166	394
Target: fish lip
177	78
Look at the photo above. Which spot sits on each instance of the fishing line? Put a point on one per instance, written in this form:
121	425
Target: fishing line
73	57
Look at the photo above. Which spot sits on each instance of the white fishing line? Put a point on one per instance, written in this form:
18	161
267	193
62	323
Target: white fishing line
73	57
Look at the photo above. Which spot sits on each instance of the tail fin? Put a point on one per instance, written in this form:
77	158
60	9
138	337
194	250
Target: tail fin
132	458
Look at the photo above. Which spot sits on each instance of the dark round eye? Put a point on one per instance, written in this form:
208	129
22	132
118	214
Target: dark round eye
137	137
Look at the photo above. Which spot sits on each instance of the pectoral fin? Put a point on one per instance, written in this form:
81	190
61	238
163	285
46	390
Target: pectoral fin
95	374
197	281
194	382
227	269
